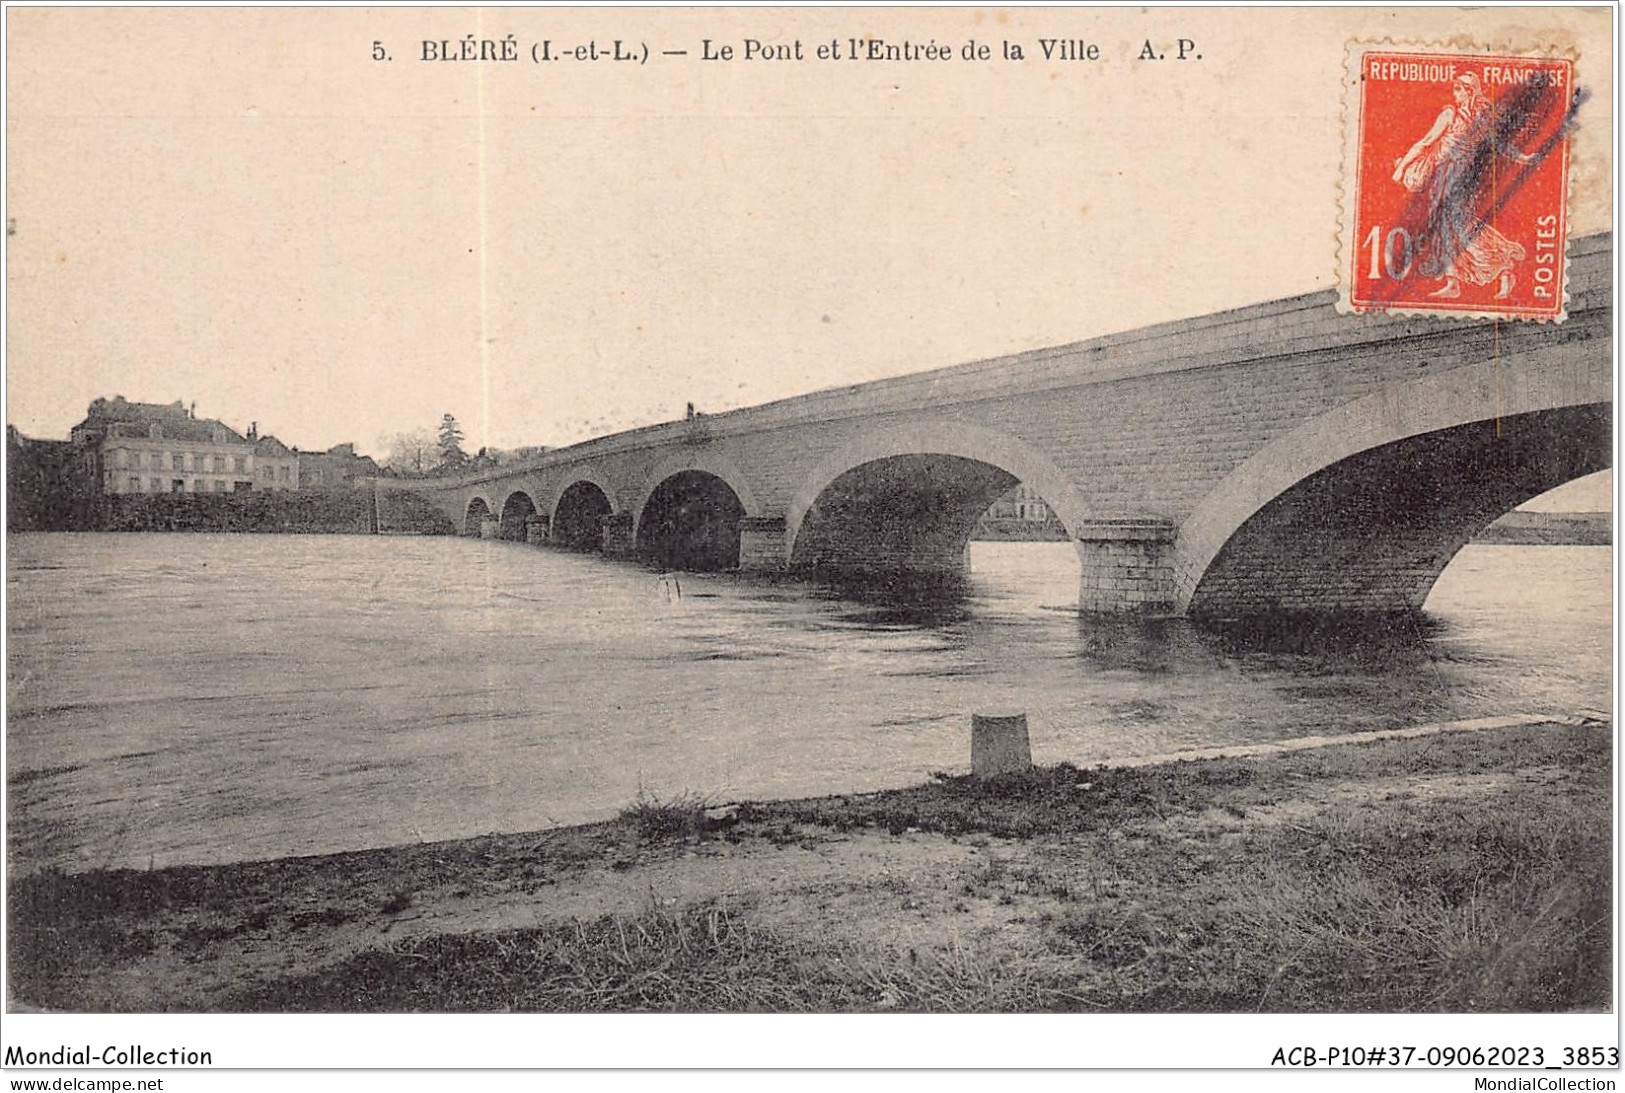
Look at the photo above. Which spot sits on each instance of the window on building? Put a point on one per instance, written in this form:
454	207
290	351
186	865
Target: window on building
197	485
178	461
239	463
177	486
283	473
135	484
156	485
219	485
219	464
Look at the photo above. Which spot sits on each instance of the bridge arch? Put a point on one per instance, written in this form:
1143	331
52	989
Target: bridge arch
515	511
961	467
578	512
578	476
697	459
690	520
475	513
1363	507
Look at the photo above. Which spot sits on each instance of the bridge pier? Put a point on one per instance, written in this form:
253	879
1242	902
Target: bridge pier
761	545
618	539
490	527
536	530
1126	566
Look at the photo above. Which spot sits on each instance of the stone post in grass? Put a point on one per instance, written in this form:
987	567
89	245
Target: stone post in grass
999	744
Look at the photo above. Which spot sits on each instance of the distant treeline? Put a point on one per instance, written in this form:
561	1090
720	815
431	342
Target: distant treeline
50	485
1550	529
1013	529
1513	529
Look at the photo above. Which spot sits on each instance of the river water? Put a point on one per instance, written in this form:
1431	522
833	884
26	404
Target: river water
208	698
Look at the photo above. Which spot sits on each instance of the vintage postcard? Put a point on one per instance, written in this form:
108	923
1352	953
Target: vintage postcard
920	513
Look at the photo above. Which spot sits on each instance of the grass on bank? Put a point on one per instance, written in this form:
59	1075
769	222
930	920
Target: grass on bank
656	817
1457	874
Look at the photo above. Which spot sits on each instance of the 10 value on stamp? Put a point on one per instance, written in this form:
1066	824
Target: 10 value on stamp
1459	169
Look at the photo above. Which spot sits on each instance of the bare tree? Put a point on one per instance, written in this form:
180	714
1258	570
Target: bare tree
413	453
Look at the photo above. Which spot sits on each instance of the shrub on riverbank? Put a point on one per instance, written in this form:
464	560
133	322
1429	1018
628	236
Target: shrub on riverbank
664	818
303	512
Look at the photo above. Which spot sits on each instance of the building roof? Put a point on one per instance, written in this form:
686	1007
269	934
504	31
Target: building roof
271	446
173	420
343	454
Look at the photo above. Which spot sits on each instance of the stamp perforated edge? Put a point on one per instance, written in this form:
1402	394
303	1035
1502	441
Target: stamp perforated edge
1348	174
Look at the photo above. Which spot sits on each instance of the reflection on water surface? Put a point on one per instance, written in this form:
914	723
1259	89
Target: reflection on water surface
205	698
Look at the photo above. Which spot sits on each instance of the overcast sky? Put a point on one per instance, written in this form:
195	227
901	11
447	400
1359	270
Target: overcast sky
240	208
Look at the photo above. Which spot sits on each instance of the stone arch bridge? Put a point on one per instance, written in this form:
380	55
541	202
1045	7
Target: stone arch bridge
1279	457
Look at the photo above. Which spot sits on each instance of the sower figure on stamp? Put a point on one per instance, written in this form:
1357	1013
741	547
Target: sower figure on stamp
1448	164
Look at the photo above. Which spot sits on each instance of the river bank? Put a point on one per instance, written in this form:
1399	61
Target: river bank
1457	872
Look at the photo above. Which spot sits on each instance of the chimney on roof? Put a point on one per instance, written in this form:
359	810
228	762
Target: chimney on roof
192	410
253	430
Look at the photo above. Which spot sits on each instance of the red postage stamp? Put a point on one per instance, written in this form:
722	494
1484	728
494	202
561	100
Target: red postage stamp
1456	183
